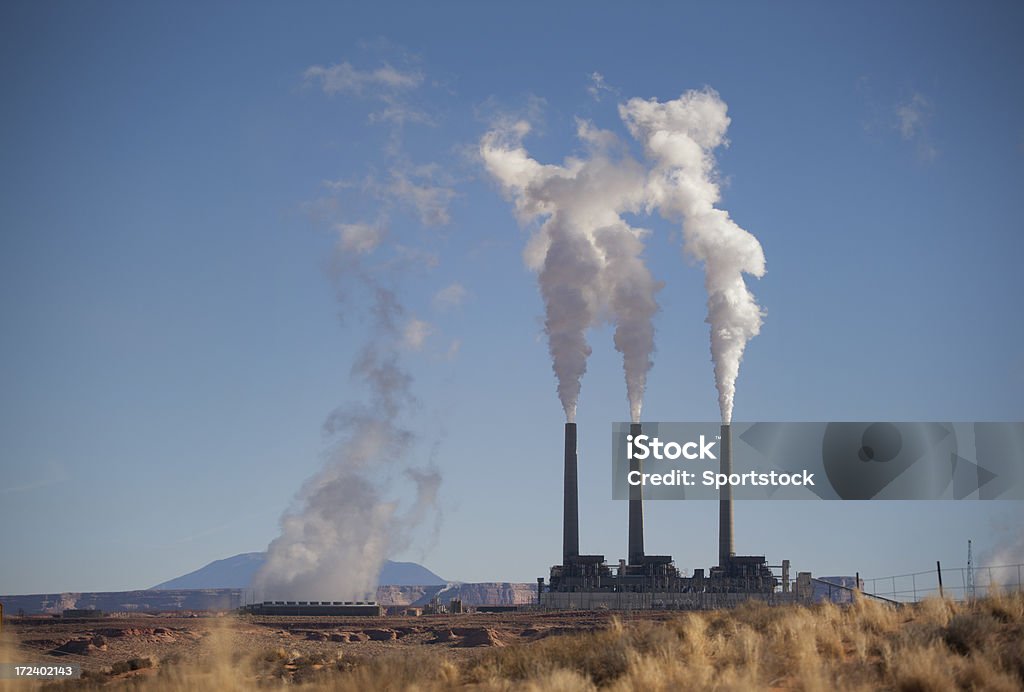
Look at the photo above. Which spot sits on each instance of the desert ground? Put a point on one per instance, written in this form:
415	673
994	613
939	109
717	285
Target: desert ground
98	644
934	645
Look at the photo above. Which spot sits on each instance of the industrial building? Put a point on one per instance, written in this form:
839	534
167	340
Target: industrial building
653	581
335	608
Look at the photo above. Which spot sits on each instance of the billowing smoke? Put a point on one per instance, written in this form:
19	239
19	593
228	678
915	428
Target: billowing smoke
1002	567
679	138
334	543
586	257
347	519
631	290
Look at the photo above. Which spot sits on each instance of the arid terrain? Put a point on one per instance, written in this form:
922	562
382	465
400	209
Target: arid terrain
867	645
97	644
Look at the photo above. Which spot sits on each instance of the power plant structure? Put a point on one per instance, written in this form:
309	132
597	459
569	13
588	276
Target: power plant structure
315	608
653	581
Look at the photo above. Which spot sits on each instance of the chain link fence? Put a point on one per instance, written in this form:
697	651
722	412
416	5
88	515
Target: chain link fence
959	583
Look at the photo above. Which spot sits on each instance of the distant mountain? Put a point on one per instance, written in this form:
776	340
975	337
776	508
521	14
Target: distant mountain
237	572
407	574
234	572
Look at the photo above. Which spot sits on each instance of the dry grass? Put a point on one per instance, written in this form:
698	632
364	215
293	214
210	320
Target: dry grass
9	653
934	645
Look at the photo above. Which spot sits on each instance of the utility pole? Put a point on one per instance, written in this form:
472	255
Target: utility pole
970	572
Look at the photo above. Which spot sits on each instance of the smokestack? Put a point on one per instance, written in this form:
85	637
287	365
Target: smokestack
636	509
726	548
570	503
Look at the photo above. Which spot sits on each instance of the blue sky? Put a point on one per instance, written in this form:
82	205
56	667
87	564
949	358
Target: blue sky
176	328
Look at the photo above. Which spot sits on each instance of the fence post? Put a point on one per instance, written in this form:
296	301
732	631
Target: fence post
938	569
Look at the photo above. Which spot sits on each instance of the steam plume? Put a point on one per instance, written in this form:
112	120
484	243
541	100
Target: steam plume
334	544
631	290
343	524
999	567
679	137
586	257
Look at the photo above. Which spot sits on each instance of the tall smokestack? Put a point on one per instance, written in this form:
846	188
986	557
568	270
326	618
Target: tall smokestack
726	548
636	508
570	503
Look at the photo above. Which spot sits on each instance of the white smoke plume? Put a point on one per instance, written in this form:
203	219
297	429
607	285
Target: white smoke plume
679	138
349	517
1002	566
586	257
332	546
631	290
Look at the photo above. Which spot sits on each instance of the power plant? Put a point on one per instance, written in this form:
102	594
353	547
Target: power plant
653	581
